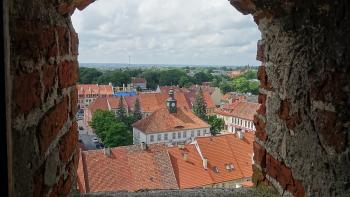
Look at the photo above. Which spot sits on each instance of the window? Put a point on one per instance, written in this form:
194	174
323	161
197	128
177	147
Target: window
192	133
165	136
152	138
184	134
179	135
159	137
230	167
215	169
174	135
198	132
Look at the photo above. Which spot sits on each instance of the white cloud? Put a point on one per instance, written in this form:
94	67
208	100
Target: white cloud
158	31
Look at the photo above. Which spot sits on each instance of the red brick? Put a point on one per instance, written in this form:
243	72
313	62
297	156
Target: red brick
261	15
259	155
284	110
66	8
74	102
244	6
334	134
27	90
67	73
260	128
291	120
262	101
260	51
51	124
83	4
297	189
63	39
279	171
74	43
68	143
258	177
262	76
32	40
63	187
49	74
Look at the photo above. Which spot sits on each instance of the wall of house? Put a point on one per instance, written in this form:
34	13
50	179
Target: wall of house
41	84
302	145
140	136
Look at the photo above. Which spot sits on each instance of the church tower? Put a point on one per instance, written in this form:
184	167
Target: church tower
171	102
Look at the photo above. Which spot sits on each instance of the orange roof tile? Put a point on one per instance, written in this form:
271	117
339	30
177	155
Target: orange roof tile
138	80
191	97
240	109
151	102
245	110
189	173
84	89
128	168
228	149
163	121
106	103
220	150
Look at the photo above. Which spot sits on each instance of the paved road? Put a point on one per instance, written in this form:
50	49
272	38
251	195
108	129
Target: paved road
86	135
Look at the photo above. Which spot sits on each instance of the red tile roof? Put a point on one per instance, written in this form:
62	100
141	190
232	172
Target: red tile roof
106	103
228	149
240	109
163	121
220	150
151	102
189	173
84	89
191	97
128	168
245	110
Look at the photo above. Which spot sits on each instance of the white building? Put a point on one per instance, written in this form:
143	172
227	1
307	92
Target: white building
238	116
170	125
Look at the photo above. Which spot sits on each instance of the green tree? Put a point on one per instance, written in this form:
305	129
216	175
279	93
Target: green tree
201	77
217	124
185	81
117	134
254	87
138	89
137	110
100	121
121	112
111	132
199	106
88	75
225	87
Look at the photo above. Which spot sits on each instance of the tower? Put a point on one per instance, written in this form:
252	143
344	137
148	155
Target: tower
171	102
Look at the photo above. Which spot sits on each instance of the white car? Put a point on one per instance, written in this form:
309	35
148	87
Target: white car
95	140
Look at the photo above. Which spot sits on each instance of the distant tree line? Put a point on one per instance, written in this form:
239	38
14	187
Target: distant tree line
173	76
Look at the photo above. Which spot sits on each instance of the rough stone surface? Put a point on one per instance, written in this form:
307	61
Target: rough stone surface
43	73
305	54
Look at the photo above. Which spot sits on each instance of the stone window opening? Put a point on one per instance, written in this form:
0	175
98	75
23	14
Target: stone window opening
304	61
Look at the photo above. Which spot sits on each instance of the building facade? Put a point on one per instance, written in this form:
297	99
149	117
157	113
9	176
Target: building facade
88	93
170	125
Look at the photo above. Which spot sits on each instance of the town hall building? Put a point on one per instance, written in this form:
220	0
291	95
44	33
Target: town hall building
170	125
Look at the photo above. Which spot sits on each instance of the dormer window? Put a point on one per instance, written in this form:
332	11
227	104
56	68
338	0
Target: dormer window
230	167
215	169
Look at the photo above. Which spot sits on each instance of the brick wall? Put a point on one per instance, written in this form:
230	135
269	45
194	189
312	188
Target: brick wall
43	72
303	129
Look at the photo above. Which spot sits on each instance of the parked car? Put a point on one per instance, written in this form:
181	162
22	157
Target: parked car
95	140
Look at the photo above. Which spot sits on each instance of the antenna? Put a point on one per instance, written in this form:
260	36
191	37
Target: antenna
129	60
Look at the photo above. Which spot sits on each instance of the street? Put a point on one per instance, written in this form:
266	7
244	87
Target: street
86	135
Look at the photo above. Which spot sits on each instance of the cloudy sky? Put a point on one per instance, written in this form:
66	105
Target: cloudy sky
195	32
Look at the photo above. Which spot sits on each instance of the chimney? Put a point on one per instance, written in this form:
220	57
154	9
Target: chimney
205	163
110	83
107	151
240	134
143	146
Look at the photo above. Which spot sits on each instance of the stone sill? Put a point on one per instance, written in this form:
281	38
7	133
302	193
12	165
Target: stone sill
240	192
